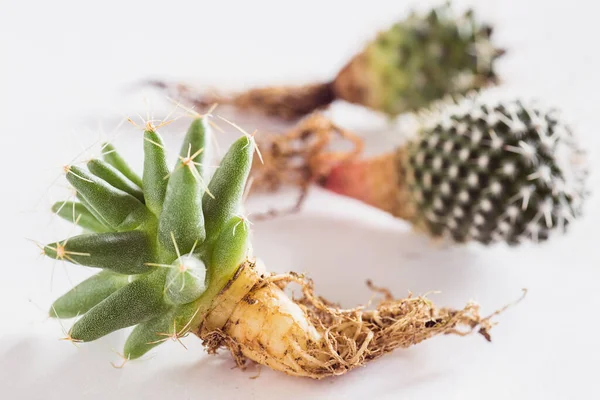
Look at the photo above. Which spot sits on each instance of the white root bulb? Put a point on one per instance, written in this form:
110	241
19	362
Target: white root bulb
312	338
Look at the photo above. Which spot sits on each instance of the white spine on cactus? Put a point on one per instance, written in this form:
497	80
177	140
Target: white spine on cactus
491	170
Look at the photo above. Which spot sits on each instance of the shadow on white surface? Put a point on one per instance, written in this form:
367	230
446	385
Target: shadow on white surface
86	372
340	253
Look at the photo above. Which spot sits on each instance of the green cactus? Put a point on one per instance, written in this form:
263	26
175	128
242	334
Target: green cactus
425	57
474	169
413	63
494	171
167	243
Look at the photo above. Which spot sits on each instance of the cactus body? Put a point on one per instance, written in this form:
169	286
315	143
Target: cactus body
415	62
495	172
420	60
154	245
477	170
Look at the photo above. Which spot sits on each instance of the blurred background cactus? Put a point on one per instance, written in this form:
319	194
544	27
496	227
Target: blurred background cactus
420	60
415	62
490	172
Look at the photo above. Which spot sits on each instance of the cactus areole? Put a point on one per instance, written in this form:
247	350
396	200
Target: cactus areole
173	251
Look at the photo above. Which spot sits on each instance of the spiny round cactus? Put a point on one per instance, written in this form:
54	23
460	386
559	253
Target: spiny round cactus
173	254
166	250
491	172
420	60
415	62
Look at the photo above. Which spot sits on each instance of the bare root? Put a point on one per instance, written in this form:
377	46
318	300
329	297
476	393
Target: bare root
315	338
301	157
356	336
285	102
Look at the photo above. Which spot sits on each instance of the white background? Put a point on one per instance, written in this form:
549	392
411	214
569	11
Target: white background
66	68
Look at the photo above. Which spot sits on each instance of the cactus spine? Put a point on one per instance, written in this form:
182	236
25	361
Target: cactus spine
506	171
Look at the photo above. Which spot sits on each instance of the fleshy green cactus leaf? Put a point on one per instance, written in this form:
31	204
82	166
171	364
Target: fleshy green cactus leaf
121	252
227	186
231	248
175	324
111	156
181	223
87	294
121	210
156	171
114	177
75	212
196	144
186	280
93	211
137	302
148	335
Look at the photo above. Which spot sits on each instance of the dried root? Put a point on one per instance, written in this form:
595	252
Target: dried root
301	156
314	338
285	102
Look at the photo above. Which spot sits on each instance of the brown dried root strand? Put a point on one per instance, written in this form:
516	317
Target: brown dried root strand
285	102
301	156
314	338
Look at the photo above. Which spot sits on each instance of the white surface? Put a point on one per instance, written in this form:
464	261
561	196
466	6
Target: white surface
64	67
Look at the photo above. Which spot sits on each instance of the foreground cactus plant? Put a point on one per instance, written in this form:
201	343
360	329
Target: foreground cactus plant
406	67
476	170
174	255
